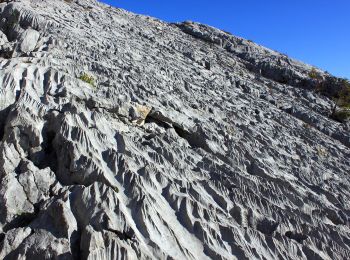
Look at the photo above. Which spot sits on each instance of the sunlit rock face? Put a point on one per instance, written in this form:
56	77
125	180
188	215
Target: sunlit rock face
125	137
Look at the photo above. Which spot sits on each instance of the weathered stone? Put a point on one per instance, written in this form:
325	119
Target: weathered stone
192	144
3	38
12	239
29	40
43	245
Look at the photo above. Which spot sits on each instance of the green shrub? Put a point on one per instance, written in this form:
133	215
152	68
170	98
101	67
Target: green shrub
341	115
341	110
337	89
343	97
314	74
88	79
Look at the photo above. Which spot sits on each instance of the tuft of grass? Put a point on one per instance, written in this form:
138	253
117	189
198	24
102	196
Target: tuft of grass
230	130
88	79
306	125
322	152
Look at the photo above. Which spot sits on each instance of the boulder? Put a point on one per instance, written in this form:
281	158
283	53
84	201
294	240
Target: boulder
29	40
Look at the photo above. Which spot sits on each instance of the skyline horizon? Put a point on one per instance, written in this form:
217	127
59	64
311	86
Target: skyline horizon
322	56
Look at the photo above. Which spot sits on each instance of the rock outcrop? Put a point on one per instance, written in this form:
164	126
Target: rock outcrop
181	141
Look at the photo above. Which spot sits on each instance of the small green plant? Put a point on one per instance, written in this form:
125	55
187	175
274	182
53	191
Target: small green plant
343	99
341	107
337	89
314	74
88	79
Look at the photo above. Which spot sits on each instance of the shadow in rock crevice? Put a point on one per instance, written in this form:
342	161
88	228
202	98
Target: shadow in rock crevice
3	117
23	220
47	156
299	237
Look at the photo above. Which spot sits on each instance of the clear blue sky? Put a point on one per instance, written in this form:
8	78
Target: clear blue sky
314	31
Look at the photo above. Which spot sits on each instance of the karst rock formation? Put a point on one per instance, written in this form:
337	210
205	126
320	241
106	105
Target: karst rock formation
126	137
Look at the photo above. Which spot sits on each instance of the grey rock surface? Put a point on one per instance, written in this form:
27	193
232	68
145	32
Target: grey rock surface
3	38
28	40
125	137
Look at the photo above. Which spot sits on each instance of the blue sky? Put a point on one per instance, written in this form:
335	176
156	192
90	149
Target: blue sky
314	31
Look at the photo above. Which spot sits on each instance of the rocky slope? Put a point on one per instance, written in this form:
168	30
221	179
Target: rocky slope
125	137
